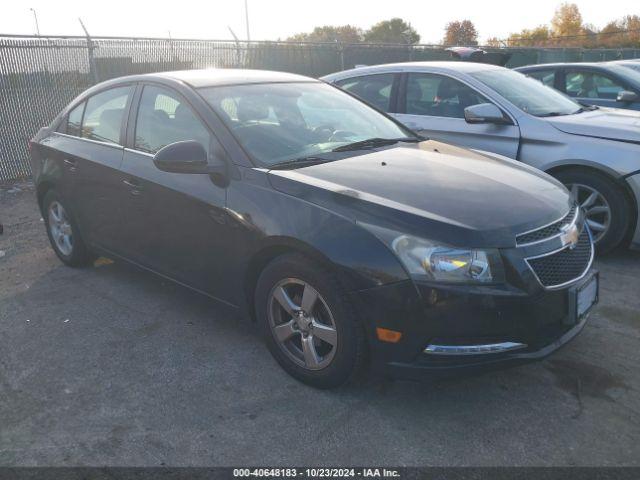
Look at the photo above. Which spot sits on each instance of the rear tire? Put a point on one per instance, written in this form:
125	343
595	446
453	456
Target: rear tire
308	323
63	232
608	208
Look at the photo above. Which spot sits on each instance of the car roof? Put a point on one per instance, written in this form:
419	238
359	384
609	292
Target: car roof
544	66
626	61
466	67
214	77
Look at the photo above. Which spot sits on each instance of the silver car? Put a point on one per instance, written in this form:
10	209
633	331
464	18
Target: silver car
594	151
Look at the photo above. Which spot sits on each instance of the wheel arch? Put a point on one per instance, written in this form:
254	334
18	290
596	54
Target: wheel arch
271	249
609	174
41	190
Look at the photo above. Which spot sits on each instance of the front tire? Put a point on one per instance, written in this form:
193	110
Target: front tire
63	231
607	209
308	322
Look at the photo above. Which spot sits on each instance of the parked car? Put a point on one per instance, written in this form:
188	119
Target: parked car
595	152
607	84
333	226
472	54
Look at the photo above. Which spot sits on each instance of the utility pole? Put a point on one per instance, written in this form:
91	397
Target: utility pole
35	17
92	61
246	19
237	47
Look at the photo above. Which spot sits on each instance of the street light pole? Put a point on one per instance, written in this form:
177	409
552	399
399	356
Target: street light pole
35	17
246	19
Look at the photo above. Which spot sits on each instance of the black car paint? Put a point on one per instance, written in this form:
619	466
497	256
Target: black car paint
415	190
216	239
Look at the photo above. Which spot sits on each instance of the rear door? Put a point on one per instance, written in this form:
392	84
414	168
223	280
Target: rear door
98	190
594	87
91	151
433	105
58	156
178	224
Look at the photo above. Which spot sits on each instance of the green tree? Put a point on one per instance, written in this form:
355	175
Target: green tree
624	32
328	33
395	30
494	42
462	33
567	22
538	36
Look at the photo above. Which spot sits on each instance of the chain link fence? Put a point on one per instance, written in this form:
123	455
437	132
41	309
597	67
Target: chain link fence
40	75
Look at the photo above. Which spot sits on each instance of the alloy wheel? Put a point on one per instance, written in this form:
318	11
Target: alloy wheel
302	324
60	228
595	206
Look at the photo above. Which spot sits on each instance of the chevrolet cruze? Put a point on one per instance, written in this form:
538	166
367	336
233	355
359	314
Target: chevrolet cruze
347	239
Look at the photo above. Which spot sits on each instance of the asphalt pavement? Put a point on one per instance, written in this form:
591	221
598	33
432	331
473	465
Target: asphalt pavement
111	365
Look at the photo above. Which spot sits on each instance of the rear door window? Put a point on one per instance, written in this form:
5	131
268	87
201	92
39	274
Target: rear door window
104	114
373	89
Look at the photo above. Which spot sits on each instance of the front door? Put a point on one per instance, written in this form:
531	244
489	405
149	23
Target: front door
177	222
433	105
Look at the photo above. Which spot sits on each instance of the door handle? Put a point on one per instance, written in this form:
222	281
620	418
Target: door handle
136	188
72	164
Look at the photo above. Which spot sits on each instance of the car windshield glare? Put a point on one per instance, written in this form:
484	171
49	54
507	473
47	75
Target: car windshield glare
528	94
280	122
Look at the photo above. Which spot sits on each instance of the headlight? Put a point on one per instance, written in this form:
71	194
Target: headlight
447	264
428	260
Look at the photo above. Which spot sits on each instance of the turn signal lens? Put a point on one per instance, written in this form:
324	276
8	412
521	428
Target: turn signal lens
386	335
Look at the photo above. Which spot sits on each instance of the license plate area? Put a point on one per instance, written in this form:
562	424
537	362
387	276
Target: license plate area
583	297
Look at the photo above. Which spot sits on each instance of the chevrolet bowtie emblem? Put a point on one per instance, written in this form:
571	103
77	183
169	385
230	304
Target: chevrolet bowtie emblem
569	235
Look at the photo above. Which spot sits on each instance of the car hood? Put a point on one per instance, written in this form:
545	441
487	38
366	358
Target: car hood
433	190
609	123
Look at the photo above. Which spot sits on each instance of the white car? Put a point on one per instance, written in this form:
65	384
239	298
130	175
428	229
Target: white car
594	151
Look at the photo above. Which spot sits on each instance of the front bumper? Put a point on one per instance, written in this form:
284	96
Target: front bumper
537	324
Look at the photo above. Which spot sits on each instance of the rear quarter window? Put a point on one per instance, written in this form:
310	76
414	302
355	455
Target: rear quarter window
374	89
547	77
74	121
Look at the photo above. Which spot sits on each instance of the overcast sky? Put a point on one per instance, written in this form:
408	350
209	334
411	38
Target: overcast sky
273	19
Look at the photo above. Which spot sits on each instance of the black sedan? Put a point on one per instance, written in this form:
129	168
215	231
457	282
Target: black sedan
346	238
607	84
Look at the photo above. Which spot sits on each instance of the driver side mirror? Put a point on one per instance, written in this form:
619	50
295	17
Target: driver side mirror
484	113
188	156
627	96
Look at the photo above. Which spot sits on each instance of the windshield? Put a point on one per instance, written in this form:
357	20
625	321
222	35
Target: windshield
280	122
528	94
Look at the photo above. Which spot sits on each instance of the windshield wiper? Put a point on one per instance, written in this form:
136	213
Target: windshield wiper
373	142
555	114
298	163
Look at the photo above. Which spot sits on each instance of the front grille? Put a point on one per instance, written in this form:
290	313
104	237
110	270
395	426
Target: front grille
565	265
548	231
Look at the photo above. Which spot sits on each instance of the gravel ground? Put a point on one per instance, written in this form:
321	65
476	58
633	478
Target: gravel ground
109	365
